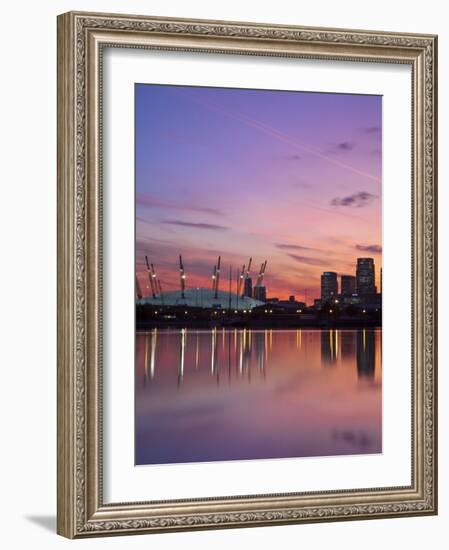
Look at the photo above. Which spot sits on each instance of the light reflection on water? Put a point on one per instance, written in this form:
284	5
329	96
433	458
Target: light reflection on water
249	394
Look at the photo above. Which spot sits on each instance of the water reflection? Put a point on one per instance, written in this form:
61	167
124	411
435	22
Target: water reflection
181	356
153	351
366	353
252	347
329	346
293	404
348	339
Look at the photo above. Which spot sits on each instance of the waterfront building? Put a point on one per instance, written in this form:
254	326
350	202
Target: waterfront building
204	298
365	276
348	285
329	287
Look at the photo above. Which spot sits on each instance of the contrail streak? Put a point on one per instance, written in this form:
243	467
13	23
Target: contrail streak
278	134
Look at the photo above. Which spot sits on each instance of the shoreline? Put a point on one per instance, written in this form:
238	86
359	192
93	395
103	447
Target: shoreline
351	324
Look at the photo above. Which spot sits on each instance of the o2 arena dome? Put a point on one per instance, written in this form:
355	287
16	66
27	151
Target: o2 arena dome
201	298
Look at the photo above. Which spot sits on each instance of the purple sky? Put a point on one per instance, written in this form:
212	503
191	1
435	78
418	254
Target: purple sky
291	177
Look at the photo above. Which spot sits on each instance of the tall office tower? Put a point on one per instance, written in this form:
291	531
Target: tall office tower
329	287
348	286
365	276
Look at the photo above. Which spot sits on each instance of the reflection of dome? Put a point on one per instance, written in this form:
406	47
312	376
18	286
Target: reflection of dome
201	297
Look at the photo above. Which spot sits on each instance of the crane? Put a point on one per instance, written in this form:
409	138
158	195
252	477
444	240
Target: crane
150	277
249	268
261	273
182	276
153	276
240	280
214	276
247	276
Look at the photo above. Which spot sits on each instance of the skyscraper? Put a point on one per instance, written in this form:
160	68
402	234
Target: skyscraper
329	287
365	278
348	286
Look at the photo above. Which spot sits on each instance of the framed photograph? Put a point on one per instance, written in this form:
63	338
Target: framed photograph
246	274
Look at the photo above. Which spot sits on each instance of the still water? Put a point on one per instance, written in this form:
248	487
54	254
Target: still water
250	394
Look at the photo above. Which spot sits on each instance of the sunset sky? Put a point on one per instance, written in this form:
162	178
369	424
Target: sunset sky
289	177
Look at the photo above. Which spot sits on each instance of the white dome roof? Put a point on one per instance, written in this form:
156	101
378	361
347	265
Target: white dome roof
201	297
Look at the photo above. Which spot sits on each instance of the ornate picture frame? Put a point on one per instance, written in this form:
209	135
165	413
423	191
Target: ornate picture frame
82	38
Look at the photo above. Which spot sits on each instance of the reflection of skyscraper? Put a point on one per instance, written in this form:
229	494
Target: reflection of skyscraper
365	276
366	353
329	346
329	286
348	338
348	286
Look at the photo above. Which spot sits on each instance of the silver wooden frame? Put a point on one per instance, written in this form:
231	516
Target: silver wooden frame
81	40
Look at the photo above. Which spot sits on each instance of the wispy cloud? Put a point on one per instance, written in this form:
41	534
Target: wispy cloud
357	200
148	200
371	130
197	225
285	246
345	146
306	259
373	248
